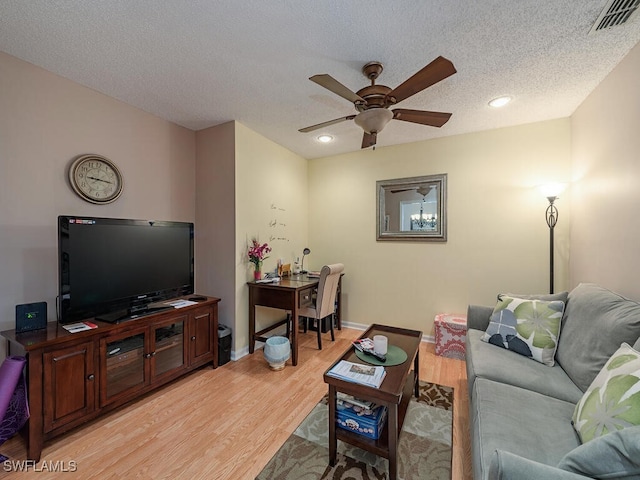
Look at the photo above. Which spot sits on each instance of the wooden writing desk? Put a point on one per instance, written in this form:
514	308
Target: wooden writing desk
290	294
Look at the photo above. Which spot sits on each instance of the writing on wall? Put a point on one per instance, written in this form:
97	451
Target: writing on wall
277	225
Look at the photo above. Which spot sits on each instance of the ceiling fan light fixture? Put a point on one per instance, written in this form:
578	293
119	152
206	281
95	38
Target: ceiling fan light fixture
500	101
374	119
325	138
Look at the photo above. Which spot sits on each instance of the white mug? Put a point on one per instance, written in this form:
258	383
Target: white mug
380	343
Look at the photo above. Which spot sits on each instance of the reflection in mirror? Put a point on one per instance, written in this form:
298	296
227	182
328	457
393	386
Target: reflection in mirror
412	208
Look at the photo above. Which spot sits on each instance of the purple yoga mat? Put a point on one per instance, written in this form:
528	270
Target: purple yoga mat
14	408
10	372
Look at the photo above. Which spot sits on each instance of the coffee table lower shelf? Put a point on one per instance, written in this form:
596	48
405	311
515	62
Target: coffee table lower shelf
394	393
381	446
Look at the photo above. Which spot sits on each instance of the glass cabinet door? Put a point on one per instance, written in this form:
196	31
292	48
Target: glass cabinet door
124	363
169	352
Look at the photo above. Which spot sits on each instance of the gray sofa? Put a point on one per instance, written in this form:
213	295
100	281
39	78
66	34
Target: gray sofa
521	410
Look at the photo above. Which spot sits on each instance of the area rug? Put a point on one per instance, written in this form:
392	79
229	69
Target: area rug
424	448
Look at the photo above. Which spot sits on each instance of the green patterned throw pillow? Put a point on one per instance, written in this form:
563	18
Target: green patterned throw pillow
525	326
612	401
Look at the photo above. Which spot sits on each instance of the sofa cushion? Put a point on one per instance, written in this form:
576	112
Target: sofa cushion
520	421
616	455
596	322
612	401
486	361
507	466
528	327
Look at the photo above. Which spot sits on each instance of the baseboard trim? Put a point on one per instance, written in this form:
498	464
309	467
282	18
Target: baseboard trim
364	326
238	354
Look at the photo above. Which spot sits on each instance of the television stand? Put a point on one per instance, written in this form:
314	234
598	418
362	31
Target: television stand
73	378
125	315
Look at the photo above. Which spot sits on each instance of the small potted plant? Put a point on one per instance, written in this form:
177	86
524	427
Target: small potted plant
257	253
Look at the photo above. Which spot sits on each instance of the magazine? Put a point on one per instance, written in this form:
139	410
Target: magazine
363	344
79	326
368	375
349	401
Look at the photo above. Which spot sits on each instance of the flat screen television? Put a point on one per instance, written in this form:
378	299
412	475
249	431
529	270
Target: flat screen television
115	269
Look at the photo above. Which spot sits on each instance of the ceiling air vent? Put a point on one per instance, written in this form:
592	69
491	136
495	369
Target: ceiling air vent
615	12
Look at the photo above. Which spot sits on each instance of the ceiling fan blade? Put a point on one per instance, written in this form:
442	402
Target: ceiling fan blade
330	83
369	140
326	124
436	71
433	119
403	190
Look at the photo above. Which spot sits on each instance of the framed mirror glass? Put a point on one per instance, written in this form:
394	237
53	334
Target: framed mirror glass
412	209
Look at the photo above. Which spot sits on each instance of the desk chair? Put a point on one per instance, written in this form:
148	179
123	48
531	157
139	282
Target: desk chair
325	302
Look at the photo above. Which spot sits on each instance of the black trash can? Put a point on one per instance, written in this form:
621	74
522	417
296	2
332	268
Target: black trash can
224	344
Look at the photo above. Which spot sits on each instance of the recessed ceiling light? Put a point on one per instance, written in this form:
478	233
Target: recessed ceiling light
325	138
500	101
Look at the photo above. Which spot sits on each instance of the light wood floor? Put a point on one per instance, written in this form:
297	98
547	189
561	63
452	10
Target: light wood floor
221	424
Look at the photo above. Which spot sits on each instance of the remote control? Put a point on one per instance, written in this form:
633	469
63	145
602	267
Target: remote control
379	356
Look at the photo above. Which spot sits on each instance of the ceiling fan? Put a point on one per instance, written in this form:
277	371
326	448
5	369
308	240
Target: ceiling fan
422	189
373	102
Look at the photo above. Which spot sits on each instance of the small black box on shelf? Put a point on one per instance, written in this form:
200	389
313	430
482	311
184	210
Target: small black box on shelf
31	316
224	344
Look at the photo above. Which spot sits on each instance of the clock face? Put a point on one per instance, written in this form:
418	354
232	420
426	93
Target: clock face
96	179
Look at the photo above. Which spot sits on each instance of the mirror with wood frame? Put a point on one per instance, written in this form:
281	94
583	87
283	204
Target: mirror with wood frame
412	209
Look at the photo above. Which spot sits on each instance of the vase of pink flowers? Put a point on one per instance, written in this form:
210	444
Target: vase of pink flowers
257	253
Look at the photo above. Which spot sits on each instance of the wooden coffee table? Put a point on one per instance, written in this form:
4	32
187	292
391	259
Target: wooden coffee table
394	393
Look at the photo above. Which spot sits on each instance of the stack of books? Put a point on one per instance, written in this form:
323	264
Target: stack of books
369	375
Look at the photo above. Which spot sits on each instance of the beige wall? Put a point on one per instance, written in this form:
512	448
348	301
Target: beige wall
247	187
45	121
498	239
271	205
606	173
215	217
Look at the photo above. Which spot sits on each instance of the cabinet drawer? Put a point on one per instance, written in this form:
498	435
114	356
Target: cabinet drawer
305	298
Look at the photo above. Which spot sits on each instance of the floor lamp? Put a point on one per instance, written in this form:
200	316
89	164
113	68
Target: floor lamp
551	192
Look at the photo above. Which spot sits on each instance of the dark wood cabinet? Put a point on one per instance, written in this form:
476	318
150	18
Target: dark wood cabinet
169	349
73	378
70	384
201	338
124	370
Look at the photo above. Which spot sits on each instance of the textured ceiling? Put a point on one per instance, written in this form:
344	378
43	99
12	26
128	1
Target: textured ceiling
200	63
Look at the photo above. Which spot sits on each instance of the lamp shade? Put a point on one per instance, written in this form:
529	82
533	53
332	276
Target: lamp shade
374	119
552	189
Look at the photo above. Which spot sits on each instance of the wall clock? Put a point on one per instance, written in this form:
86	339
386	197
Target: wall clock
96	179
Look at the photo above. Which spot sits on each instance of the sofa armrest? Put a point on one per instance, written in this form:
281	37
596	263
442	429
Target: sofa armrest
478	317
508	466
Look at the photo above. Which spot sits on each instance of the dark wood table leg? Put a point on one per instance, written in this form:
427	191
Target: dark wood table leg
393	440
252	322
338	318
294	333
416	371
333	442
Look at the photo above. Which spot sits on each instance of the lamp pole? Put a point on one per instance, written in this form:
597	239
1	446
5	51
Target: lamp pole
552	219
